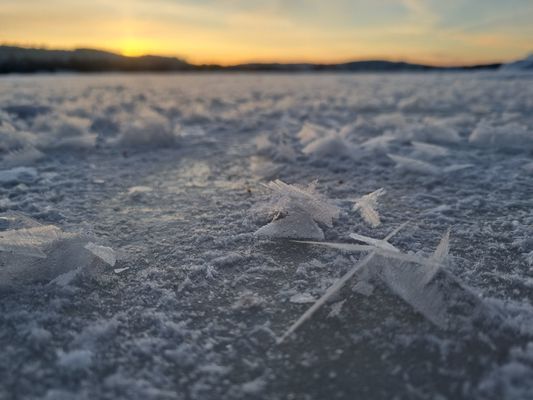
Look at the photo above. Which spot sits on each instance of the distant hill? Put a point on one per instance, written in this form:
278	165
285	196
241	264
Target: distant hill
376	65
521	65
19	59
354	66
28	60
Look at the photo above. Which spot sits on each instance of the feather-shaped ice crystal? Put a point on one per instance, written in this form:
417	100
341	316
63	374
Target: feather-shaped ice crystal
366	205
106	254
293	199
29	241
418	166
440	254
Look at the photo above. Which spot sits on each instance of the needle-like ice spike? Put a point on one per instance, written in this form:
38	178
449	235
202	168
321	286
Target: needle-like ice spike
329	293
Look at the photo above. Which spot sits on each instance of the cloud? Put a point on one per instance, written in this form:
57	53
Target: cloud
421	14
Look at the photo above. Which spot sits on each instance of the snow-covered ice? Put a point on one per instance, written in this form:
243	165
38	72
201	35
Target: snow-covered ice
151	229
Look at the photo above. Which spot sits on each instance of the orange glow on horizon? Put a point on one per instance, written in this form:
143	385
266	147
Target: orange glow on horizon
230	32
132	47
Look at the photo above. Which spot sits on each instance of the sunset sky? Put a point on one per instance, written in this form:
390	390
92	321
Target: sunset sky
234	31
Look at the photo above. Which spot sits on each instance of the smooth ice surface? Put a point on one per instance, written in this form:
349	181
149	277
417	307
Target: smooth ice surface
195	303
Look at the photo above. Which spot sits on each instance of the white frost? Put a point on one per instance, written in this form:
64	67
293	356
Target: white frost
29	241
106	254
302	298
293	226
18	174
366	205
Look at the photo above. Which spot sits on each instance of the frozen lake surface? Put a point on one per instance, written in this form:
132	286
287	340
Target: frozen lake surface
166	175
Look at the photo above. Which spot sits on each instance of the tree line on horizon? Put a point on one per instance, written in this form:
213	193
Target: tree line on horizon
14	59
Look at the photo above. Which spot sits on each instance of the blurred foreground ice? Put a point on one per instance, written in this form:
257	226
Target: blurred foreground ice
32	252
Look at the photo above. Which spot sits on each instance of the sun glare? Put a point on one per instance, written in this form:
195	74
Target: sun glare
132	47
